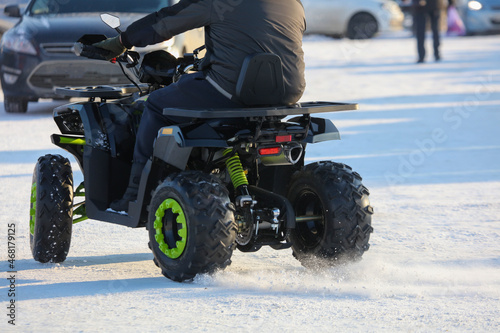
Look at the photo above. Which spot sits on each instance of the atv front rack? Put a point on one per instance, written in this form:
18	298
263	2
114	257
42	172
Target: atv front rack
280	111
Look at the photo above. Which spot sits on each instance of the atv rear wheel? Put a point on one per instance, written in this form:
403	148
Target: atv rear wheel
191	225
334	214
51	213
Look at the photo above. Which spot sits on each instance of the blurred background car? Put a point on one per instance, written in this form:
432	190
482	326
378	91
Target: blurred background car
7	22
355	19
36	53
480	16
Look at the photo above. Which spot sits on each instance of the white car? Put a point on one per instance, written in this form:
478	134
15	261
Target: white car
355	19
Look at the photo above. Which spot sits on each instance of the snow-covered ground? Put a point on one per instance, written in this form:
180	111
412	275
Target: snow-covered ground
426	141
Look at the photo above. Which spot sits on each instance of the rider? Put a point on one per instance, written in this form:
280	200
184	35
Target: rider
233	30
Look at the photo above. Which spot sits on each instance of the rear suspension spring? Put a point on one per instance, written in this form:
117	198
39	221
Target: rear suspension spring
233	164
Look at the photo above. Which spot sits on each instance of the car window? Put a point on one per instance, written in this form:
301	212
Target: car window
43	7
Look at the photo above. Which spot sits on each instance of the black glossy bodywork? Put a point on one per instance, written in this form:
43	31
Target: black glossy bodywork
108	130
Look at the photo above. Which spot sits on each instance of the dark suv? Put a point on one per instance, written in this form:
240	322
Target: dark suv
36	54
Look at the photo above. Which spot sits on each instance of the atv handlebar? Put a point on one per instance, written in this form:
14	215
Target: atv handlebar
94	52
157	67
91	51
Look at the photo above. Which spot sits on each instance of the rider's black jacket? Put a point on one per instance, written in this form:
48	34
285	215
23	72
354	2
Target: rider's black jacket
233	30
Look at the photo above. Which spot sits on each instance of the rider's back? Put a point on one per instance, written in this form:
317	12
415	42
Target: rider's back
233	30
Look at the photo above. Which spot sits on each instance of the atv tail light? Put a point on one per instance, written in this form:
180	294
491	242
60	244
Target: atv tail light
284	154
283	138
269	151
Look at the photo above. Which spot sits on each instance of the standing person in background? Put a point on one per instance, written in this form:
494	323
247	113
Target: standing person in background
423	9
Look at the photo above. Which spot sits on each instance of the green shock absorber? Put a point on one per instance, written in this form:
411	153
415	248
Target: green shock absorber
233	164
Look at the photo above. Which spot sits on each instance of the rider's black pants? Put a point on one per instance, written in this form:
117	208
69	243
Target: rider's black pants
191	91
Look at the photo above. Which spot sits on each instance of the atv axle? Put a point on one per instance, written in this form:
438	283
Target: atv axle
308	218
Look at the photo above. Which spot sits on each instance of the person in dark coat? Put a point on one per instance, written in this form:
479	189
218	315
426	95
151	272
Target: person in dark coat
423	9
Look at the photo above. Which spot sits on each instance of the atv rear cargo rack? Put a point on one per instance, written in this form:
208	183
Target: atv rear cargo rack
280	111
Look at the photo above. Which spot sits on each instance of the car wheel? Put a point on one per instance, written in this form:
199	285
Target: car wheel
362	26
15	105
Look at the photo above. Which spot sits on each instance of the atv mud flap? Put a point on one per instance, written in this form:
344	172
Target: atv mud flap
170	147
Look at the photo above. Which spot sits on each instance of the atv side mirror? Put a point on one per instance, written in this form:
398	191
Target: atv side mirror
111	20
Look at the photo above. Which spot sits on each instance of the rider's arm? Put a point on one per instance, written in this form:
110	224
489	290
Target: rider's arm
168	22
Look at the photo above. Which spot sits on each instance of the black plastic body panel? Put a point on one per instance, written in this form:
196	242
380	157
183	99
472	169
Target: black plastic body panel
170	148
213	133
106	158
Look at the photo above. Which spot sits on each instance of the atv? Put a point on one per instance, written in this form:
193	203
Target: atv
227	179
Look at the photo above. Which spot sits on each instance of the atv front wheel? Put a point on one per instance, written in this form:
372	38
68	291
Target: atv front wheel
191	225
51	213
333	214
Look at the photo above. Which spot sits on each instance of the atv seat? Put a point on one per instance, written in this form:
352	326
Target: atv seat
260	81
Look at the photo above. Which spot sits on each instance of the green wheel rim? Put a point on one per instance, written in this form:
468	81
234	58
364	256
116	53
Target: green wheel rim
33	209
179	230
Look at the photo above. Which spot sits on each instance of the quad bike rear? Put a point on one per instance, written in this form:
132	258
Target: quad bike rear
226	179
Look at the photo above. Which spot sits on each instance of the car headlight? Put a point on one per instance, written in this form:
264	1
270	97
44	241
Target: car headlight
474	5
18	43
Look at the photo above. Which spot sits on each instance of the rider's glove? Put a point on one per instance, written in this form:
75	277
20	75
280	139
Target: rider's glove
113	45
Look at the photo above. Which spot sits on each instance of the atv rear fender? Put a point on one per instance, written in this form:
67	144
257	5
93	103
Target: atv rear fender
227	127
